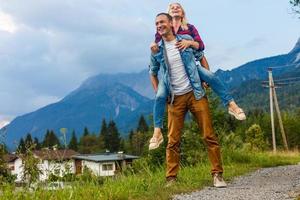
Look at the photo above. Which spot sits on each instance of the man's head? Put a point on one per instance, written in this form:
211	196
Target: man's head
163	23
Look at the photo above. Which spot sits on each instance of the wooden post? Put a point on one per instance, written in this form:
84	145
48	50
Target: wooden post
280	120
271	85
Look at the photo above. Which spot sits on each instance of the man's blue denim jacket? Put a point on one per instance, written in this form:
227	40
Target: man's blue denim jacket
159	61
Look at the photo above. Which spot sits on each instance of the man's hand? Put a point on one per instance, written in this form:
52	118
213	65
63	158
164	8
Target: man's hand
183	44
154	48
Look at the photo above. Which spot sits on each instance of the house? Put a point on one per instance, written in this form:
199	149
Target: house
106	164
58	162
14	164
66	161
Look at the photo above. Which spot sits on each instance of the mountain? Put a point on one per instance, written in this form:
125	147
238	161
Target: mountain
140	82
250	93
84	107
123	97
258	69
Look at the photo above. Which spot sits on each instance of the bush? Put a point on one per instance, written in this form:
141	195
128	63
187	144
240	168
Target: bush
88	176
255	137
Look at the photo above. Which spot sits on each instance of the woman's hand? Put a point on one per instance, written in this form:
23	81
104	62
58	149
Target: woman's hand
205	85
154	48
183	44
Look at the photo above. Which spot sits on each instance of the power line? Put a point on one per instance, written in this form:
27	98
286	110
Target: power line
286	81
281	66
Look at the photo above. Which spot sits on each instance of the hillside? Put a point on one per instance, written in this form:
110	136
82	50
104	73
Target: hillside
85	107
124	97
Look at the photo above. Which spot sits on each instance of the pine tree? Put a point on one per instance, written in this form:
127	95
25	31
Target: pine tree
21	148
51	139
114	137
88	144
73	142
103	139
28	140
86	131
139	139
37	143
295	6
54	141
3	148
142	125
5	174
45	142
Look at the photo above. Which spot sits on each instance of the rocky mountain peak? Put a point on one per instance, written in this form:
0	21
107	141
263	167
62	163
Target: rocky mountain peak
296	47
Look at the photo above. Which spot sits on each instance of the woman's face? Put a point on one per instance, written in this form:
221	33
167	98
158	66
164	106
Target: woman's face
175	10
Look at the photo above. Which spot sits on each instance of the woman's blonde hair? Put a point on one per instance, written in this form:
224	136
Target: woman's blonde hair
183	19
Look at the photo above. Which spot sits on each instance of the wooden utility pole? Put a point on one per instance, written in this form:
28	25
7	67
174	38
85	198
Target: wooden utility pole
285	144
273	96
271	85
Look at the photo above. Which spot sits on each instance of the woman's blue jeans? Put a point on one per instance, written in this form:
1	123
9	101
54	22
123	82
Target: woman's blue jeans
205	75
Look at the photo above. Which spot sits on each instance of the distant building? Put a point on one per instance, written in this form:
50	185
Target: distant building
60	162
55	162
106	164
13	162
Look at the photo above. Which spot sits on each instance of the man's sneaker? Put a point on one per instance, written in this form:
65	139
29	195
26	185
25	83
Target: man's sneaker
170	181
219	181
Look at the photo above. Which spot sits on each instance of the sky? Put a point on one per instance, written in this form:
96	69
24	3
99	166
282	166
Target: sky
48	48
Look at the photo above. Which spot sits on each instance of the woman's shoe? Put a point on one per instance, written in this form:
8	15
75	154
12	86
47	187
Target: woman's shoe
238	113
155	142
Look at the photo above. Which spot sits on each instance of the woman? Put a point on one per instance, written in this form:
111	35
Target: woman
180	26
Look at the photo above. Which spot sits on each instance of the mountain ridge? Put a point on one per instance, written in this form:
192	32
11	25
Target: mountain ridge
123	97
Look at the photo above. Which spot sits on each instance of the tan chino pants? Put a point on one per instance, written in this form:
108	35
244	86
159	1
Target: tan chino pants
176	116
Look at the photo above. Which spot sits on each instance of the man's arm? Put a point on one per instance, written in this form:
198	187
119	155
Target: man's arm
153	71
154	81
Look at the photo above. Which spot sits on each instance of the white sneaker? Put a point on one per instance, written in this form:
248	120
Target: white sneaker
219	181
155	142
238	113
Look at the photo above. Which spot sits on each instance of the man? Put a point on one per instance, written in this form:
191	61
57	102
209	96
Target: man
183	84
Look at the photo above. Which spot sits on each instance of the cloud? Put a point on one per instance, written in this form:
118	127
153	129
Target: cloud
3	123
6	23
47	48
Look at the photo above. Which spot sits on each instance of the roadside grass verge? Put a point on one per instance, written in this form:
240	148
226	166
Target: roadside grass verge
150	184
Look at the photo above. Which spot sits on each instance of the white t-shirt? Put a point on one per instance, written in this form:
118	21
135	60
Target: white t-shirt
179	79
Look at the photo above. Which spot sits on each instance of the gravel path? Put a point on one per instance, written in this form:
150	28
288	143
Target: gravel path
277	183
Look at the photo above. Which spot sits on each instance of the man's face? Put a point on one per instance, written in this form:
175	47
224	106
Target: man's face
163	25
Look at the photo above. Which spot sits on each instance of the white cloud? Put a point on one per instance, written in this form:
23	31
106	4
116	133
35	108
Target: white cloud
3	123
6	23
47	48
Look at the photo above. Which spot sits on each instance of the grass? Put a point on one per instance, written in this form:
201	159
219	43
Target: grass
151	184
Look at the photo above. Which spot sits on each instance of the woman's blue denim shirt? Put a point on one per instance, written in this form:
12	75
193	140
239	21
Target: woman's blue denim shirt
159	61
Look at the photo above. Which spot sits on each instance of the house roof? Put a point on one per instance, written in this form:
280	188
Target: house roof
10	157
105	157
61	154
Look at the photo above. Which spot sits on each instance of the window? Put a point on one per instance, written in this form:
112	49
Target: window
107	167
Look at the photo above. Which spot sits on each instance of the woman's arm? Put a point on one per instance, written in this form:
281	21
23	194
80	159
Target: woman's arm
195	35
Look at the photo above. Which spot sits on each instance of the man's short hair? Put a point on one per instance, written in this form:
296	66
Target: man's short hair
166	14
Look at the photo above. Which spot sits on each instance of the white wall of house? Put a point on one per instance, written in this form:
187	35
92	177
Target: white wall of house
45	166
48	167
17	169
100	168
